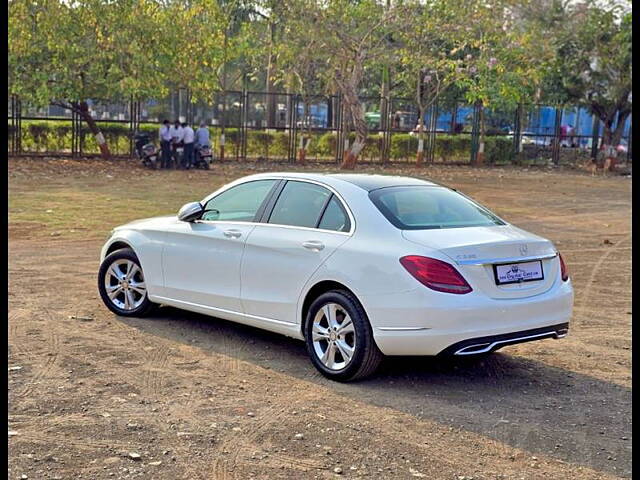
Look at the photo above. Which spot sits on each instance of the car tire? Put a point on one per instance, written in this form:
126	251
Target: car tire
123	291
355	336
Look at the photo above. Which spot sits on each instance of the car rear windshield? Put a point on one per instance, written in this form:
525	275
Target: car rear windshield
428	207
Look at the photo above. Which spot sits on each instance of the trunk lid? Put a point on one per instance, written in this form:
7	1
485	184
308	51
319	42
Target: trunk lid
475	250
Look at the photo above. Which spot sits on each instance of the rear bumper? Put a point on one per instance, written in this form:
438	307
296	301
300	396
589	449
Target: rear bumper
421	323
475	346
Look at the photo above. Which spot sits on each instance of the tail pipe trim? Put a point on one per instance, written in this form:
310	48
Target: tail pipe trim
492	343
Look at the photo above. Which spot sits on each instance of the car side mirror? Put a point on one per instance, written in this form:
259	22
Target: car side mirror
190	212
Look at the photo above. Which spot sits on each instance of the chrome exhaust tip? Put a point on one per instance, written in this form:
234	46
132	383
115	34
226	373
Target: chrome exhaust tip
477	348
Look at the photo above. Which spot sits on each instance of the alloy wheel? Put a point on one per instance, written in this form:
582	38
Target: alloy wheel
124	284
333	336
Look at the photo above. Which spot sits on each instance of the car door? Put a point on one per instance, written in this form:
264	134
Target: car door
201	259
303	228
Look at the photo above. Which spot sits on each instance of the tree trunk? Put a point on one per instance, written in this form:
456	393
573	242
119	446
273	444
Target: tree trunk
611	137
616	135
357	117
302	150
83	110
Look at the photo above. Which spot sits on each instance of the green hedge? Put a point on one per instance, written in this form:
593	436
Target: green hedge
452	148
55	136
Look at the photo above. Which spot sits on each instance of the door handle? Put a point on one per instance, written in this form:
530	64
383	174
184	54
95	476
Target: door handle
313	245
232	233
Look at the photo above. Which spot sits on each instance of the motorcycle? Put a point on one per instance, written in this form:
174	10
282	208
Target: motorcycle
203	157
178	155
146	151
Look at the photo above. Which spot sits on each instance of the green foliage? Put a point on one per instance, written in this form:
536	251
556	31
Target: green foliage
78	50
51	136
594	60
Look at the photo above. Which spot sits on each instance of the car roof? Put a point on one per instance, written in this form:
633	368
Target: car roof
365	181
371	182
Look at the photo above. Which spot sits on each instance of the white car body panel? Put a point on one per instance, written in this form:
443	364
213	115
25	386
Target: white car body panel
201	264
262	277
147	237
276	265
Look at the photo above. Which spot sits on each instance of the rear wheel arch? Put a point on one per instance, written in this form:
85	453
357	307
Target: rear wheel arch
314	292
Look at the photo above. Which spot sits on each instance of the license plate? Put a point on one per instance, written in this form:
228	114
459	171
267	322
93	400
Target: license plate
518	272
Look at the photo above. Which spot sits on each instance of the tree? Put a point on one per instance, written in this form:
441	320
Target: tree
66	53
594	60
303	68
349	35
235	17
504	58
425	66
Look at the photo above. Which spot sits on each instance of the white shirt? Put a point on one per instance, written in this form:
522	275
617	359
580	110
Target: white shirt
165	133
188	135
176	133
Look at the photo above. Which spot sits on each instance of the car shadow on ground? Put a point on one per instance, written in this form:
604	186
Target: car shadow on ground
515	400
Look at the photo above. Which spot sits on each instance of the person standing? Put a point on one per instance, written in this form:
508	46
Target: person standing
176	139
165	144
188	137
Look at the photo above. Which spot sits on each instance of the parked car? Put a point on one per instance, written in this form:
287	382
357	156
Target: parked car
357	266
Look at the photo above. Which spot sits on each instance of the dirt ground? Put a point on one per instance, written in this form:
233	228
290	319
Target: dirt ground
184	396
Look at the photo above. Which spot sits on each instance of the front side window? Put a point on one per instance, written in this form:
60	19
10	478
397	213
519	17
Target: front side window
239	203
421	208
300	204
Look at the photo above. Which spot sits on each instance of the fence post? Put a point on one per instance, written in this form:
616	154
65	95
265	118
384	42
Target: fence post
475	134
189	108
454	118
12	136
431	134
595	136
75	138
293	118
517	130
18	125
134	123
555	152
338	126
343	136
132	129
243	122
386	156
629	142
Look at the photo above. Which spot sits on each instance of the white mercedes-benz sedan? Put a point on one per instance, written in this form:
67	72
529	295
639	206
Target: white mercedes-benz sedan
357	266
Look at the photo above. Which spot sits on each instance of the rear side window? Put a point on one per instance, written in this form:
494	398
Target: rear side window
334	217
239	203
300	204
421	208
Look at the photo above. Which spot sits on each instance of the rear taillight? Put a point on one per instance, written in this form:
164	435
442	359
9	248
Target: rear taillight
435	274
564	273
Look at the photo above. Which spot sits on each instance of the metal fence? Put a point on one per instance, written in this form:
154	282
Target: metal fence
271	126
